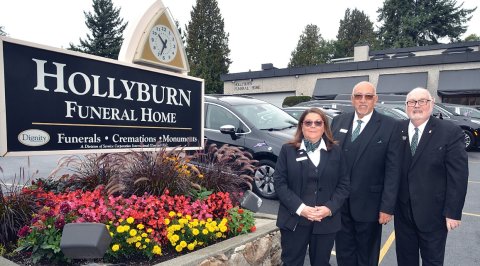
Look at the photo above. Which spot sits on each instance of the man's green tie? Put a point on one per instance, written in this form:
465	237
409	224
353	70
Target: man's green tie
356	132
414	143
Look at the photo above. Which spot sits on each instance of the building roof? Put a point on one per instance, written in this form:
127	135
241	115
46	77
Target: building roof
405	57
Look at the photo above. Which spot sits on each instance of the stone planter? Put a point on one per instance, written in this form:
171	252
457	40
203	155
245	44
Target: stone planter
259	248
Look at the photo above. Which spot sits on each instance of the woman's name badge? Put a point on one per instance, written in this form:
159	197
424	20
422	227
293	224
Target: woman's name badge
301	158
342	130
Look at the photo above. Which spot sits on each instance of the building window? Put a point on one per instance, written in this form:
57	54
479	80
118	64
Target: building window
462	99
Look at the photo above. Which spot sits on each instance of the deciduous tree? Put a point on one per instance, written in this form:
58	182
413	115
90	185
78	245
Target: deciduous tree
421	22
472	37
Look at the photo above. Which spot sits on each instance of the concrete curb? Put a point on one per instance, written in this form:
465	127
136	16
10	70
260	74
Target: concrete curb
5	262
265	224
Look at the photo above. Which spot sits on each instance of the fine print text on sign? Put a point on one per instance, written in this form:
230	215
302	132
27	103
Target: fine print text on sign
57	100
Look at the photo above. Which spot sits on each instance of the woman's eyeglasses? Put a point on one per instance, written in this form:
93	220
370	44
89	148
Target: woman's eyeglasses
310	123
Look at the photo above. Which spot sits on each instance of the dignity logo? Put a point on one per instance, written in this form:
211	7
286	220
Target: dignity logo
33	137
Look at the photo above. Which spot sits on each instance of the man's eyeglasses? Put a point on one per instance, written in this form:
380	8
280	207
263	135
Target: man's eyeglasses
309	123
421	102
367	97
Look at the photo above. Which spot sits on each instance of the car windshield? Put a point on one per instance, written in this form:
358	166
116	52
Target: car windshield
390	112
266	116
463	110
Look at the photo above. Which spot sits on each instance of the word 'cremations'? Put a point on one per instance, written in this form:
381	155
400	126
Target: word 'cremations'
82	84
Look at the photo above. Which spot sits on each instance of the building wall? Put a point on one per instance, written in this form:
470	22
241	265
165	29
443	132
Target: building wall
305	84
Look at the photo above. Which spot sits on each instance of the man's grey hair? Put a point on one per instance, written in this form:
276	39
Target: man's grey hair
420	89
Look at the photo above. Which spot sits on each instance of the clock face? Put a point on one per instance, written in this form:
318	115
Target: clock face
163	43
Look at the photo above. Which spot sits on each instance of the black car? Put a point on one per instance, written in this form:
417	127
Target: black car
346	106
259	127
297	111
463	110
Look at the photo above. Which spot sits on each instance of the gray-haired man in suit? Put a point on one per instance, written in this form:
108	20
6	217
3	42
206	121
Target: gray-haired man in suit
433	185
372	146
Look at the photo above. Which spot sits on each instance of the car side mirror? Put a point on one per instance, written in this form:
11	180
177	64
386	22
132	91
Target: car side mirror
438	115
229	129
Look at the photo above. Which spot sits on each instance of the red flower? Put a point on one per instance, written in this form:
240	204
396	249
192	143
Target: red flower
240	211
59	223
64	207
253	228
24	231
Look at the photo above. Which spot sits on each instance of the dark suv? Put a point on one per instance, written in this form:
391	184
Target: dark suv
259	127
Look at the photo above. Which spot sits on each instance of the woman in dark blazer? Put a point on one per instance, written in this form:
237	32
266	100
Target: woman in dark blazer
312	183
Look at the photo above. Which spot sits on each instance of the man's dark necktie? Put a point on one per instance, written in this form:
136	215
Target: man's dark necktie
356	132
414	144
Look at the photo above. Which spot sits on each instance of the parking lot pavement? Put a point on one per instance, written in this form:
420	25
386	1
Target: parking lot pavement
21	169
462	243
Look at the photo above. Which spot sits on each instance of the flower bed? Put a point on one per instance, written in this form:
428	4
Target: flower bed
146	220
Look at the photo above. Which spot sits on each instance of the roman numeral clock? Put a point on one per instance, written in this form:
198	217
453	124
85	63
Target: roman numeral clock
155	42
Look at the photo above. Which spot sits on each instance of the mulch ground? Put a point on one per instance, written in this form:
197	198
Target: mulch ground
24	261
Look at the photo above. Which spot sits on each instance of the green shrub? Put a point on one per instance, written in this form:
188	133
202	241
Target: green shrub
240	221
293	100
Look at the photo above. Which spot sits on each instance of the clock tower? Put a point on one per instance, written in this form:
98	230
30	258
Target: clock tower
155	42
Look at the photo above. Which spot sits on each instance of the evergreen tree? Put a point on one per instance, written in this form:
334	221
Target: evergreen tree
421	22
355	27
311	49
207	45
107	31
2	31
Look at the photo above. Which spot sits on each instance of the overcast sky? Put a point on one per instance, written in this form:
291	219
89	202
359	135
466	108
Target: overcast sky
261	31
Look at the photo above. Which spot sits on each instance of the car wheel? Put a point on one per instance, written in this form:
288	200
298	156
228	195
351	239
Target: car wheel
468	140
263	183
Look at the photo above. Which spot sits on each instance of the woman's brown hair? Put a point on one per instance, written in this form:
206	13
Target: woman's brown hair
327	136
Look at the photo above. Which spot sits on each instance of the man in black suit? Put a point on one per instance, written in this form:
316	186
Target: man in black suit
373	156
433	185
